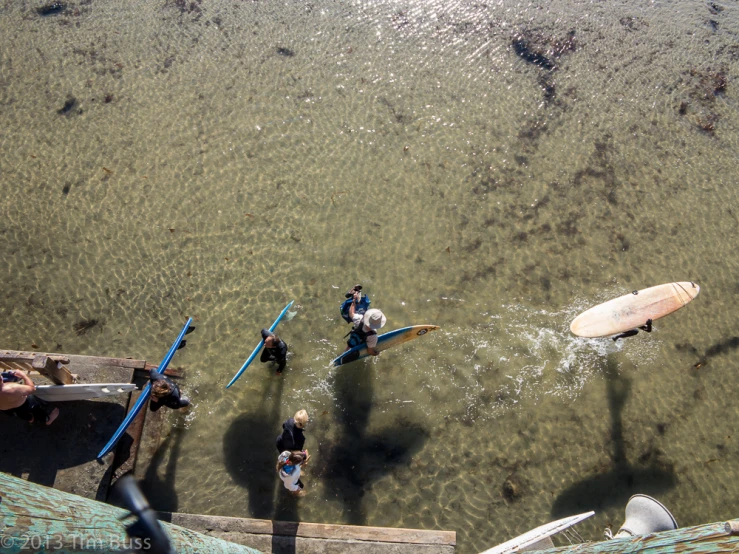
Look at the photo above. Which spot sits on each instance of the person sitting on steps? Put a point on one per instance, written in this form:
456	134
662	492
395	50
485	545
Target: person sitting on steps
17	399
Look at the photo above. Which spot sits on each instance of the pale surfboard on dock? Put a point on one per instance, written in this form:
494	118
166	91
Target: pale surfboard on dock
67	393
634	309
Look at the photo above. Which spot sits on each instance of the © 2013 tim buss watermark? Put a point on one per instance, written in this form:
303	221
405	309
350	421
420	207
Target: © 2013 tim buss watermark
74	542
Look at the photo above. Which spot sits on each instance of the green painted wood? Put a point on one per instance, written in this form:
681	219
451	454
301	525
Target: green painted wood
710	538
34	518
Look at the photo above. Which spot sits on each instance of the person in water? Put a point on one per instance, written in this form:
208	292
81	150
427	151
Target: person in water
164	392
275	350
365	329
17	399
292	438
288	468
647	328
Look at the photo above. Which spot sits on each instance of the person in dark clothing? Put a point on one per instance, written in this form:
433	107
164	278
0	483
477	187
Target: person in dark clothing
292	438
275	350
164	392
647	328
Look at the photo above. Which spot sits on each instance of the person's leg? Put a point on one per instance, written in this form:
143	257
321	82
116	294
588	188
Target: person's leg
265	356
42	411
648	327
23	412
630	333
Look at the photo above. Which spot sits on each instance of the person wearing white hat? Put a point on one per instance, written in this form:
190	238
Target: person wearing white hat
365	330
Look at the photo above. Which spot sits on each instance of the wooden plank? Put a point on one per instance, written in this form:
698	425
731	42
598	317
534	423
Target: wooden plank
313	530
169	372
103	361
49	367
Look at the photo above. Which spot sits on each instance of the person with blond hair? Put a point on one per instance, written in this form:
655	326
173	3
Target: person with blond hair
288	468
292	438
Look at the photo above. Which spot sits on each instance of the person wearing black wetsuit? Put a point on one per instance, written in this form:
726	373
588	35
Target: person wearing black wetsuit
275	350
164	392
292	438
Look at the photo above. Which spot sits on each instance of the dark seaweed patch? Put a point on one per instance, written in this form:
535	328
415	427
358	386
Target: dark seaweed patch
53	8
286	52
714	8
68	106
530	54
84	325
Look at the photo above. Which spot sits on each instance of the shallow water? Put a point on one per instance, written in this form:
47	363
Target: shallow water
491	168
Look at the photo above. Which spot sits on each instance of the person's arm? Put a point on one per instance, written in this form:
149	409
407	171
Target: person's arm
355	301
371	345
26	379
16	389
154	376
281	357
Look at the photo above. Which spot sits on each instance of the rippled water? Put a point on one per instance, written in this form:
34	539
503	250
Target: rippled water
491	168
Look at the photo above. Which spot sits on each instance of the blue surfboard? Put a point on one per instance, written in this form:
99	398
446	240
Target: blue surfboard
145	393
250	359
384	341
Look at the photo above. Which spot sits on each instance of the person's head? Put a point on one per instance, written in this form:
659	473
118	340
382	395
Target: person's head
374	319
271	341
160	389
297	458
301	419
283	459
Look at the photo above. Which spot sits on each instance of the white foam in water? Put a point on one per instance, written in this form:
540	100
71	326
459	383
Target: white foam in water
536	356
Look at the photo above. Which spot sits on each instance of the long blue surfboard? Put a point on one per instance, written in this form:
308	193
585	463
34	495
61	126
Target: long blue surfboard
145	393
253	355
384	341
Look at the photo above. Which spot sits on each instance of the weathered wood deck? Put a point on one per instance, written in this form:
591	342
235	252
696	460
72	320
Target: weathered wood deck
275	537
63	455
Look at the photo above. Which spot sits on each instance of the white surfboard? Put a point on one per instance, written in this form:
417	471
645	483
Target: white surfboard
633	310
66	393
535	535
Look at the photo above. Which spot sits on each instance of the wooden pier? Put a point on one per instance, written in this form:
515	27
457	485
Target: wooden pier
63	455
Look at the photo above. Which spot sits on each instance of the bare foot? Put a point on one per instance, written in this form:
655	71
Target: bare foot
52	416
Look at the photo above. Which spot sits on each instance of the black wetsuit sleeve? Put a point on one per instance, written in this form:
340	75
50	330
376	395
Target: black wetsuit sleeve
265	334
299	438
281	355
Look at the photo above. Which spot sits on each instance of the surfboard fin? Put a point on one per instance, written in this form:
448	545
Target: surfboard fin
190	329
182	345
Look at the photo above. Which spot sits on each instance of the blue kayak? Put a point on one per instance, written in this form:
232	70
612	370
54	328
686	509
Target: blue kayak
253	355
145	392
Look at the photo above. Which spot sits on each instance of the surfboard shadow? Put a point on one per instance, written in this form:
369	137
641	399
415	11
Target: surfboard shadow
615	486
357	459
250	454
